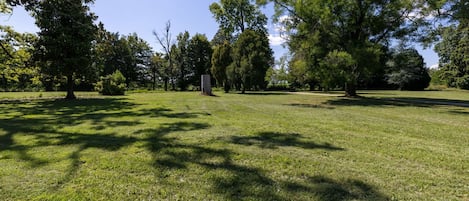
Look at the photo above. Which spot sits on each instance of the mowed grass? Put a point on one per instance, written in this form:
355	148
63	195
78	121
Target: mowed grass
387	145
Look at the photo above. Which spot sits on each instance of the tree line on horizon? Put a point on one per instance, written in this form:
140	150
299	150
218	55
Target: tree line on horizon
346	45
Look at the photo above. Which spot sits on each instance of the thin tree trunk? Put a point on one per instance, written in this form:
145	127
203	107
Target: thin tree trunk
70	83
350	90
166	84
227	87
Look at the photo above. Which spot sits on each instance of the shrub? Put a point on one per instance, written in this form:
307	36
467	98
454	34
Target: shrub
113	84
463	82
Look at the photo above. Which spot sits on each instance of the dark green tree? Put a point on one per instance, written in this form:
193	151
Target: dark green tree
220	38
65	39
221	59
182	61
139	61
129	54
359	28
157	69
236	16
200	56
252	57
407	70
454	54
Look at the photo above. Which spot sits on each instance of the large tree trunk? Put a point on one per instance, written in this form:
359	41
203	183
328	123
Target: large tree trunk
350	90
70	83
227	87
311	86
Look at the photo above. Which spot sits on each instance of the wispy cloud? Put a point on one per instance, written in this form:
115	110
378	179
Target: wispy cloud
276	40
434	66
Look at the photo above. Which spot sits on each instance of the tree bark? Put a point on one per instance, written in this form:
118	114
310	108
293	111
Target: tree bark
70	93
350	90
227	87
166	80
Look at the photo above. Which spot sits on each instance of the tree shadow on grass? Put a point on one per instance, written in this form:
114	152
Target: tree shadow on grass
328	189
42	123
168	113
308	105
166	150
265	94
240	181
397	101
274	140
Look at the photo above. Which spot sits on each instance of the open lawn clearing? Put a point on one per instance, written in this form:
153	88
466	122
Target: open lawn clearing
259	146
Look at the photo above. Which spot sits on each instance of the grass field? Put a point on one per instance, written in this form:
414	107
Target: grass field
387	145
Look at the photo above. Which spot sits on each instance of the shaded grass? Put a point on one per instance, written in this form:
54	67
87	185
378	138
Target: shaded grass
387	145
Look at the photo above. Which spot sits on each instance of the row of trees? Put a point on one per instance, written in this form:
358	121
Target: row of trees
348	43
333	44
71	52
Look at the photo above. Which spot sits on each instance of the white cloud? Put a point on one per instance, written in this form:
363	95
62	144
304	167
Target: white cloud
280	25
277	36
276	40
434	66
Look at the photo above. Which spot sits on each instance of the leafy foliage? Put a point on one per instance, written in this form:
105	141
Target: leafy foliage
113	84
200	57
65	40
129	54
181	60
236	16
252	57
166	43
317	29
16	70
407	70
454	55
338	67
221	59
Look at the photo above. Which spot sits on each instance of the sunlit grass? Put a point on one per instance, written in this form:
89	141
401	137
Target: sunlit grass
387	145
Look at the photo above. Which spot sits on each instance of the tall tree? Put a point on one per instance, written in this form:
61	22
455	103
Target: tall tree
453	43
221	37
454	54
235	16
65	39
252	57
200	56
359	28
166	43
221	59
139	59
156	69
181	60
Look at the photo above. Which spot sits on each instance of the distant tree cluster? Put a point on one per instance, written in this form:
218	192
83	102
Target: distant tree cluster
242	55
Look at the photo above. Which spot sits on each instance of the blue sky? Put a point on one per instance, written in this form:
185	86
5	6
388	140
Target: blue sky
145	16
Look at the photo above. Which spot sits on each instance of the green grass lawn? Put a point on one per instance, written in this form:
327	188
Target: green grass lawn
387	145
